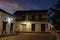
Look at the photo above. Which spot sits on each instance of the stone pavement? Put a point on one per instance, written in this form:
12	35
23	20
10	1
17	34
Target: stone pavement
30	36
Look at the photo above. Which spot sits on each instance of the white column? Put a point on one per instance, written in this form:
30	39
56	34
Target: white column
38	27
47	27
26	17
14	24
8	28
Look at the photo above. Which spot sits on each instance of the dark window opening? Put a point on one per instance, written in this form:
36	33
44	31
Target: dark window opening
42	27
11	27
33	27
40	17
4	27
23	18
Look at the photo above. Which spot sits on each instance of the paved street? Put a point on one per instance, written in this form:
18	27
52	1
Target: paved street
30	36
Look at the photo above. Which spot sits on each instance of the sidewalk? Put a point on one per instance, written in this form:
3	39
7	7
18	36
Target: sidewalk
35	32
5	35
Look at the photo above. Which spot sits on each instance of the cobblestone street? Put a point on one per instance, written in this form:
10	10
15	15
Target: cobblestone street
30	36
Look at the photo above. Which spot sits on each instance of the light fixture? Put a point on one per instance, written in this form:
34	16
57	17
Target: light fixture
9	20
27	23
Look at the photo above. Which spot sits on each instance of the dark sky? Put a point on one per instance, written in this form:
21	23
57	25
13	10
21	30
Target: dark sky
12	5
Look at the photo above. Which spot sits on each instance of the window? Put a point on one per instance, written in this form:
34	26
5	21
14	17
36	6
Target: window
39	16
23	17
31	17
18	18
44	17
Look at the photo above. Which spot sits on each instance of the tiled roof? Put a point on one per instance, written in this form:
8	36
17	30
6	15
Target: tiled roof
30	11
5	12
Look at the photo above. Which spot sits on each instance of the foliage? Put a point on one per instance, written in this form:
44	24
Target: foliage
56	17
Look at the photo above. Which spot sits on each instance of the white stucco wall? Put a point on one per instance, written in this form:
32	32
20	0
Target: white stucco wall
37	26
2	18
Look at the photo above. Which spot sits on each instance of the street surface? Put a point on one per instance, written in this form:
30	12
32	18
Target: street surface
30	36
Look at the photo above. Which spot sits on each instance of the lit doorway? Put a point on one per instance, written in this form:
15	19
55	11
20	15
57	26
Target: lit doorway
23	27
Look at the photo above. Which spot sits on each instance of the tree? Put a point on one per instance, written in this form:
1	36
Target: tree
56	17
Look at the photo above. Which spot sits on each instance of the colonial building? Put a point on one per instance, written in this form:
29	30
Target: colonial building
32	21
7	23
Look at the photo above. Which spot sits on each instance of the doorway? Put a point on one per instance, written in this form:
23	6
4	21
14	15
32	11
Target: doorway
4	28
11	27
43	27
33	27
23	27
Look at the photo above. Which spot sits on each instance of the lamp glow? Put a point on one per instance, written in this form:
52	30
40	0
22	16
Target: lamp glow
9	20
27	23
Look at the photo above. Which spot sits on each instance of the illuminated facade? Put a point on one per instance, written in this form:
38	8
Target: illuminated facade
7	22
32	21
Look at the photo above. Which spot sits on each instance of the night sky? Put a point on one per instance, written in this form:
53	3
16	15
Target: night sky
13	5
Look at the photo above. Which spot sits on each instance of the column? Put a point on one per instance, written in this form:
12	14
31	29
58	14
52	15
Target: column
14	24
1	27
7	28
1	24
